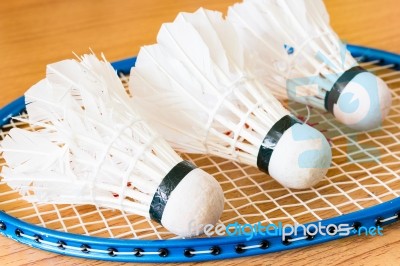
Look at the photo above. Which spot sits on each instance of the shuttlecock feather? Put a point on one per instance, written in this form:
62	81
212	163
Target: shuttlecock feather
194	87
290	46
91	147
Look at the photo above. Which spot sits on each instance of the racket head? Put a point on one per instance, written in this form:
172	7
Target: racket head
162	248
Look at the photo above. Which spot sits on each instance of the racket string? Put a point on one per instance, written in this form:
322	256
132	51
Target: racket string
384	220
290	240
352	185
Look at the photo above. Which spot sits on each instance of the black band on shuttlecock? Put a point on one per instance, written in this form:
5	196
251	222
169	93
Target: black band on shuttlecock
164	190
271	139
333	95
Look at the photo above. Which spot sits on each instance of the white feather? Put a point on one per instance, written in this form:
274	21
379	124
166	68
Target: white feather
195	88
29	151
290	46
91	147
88	136
219	35
285	40
191	81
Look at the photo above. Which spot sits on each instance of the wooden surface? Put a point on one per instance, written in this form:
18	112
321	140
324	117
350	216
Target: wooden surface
35	33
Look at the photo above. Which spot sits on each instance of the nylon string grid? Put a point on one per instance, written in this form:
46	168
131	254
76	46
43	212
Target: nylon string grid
364	172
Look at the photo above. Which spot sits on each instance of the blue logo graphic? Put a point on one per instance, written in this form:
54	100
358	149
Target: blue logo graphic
358	102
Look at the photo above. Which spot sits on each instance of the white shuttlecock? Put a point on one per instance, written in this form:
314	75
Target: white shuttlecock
194	87
93	148
290	46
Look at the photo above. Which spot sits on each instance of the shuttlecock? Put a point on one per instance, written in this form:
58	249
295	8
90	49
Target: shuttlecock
290	46
193	86
92	148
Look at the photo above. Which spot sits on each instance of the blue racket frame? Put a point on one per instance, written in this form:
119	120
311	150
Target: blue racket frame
185	250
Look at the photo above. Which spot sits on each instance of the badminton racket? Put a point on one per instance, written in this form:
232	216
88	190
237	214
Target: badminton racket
361	189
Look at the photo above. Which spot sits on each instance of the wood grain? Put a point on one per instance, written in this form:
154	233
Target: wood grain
35	33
